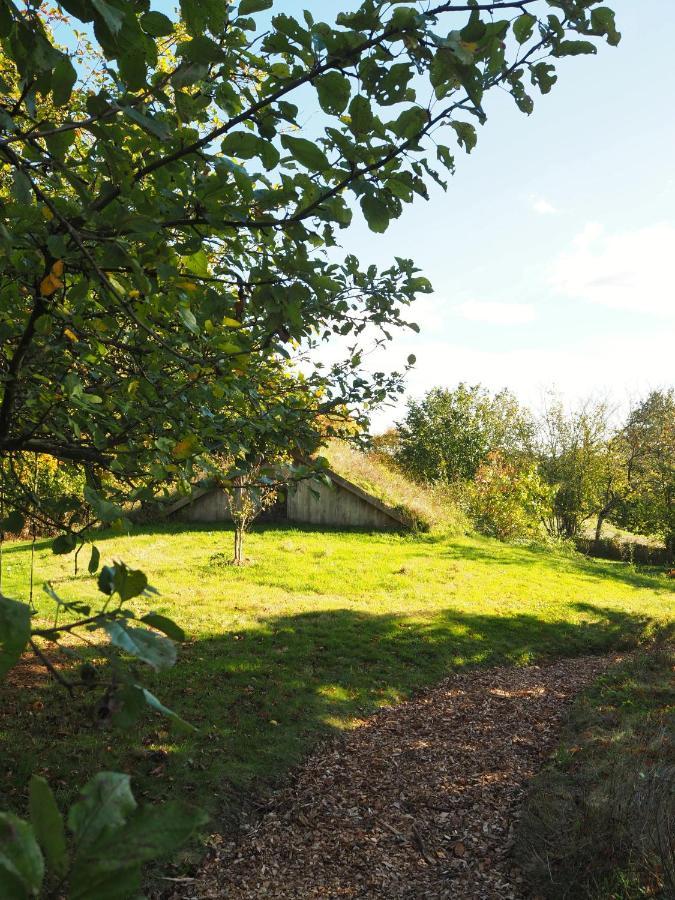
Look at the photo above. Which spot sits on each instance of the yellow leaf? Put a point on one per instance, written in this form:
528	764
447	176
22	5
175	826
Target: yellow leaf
70	335
49	284
134	294
186	447
188	286
231	323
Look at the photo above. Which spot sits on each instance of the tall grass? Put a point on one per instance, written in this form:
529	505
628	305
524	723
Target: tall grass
427	507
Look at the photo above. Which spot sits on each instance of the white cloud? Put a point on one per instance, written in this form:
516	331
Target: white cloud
496	313
576	370
631	270
542	206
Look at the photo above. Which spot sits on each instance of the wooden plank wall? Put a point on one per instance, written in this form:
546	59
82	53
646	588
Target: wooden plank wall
334	506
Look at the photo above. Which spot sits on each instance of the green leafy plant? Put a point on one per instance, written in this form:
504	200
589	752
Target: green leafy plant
98	850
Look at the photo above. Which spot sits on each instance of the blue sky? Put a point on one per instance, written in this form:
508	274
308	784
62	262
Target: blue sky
552	252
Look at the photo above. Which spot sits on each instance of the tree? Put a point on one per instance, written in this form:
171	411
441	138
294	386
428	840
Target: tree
578	459
167	219
649	441
169	229
449	433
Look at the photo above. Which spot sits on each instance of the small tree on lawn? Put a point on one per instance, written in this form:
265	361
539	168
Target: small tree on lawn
251	489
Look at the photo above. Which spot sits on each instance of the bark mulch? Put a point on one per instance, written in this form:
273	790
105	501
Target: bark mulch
420	801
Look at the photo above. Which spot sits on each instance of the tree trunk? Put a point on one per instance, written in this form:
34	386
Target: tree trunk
598	526
602	515
238	546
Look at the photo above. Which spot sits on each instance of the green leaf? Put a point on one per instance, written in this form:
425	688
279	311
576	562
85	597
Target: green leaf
603	22
98	879
523	27
305	152
361	115
188	319
63	544
466	135
376	213
198	263
246	145
574	48
159	707
155	831
106	580
94	560
21	189
200	15
334	92
48	825
164	624
155	650
105	511
251	6
14	632
13	523
129	583
63	81
129	705
201	49
21	864
102	808
112	16
156	24
147	123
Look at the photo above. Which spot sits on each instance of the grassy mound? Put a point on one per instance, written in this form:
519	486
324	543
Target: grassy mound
427	508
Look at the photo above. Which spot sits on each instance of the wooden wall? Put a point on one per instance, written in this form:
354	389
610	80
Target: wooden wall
335	506
212	507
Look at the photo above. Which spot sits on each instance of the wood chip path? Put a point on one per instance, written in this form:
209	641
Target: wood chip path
418	802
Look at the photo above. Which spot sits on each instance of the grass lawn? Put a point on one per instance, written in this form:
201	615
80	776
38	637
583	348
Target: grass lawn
323	628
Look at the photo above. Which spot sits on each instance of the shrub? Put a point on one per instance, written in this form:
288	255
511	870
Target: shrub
507	500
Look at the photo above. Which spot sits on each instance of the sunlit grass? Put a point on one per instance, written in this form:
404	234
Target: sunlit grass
323	628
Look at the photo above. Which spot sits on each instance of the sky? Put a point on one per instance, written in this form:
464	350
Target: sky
552	252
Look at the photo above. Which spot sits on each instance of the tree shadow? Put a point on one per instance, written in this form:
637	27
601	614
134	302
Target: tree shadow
263	694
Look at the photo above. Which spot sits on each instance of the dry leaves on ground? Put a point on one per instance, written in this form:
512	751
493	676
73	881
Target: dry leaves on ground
418	802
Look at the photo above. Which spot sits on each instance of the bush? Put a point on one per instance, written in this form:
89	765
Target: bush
507	500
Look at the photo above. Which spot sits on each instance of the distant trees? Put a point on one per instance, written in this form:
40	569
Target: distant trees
648	439
574	451
448	434
560	471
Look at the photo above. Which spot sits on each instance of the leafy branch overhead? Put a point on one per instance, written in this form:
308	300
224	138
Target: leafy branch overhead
170	211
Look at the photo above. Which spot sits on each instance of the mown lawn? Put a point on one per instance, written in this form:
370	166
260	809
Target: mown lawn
323	628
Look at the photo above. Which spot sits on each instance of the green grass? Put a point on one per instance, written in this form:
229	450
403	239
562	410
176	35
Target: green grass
322	629
600	818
